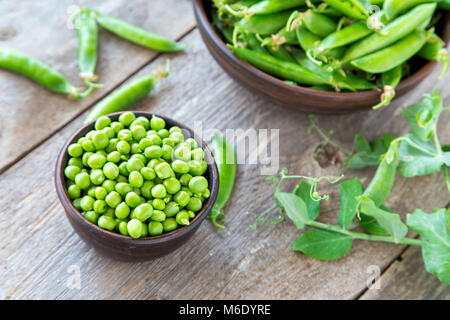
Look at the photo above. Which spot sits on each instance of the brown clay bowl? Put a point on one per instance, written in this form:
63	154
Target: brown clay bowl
122	247
303	99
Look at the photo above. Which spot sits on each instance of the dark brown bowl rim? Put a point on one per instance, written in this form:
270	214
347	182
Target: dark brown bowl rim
179	232
202	17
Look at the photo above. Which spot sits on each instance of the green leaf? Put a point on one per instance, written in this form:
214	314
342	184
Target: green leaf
389	221
349	191
371	225
435	235
423	117
323	245
295	208
303	190
415	162
368	152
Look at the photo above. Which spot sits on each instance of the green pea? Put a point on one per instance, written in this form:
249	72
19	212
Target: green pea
141	120
198	184
109	212
182	218
163	170
148	173
155	228
138	132
111	170
123	188
100	140
182	153
85	158
179	166
122	210
198	154
102	153
133	199
169	224
158	204
175	129
191	141
117	126
87	145
82	180
136	179
169	142
182	198
113	199
167	198
152	163
77	162
143	212
146	189
135	148
127	118
134	228
76	203
123	228
172	185
191	214
153	152
112	144
109	132
122	178
178	137
163	133
145	143
125	135
71	172
167	152
87	203
109	185
92	216
157	123
99	206
171	209
158	215
123	147
197	168
206	193
159	191
134	164
102	122
101	192
195	204
123	170
75	150
96	161
74	191
97	177
91	191
185	178
106	222
154	138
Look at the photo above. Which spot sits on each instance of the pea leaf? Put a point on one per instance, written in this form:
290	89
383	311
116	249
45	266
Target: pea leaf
368	152
323	245
371	225
415	162
349	191
295	208
303	190
389	221
435	235
423	117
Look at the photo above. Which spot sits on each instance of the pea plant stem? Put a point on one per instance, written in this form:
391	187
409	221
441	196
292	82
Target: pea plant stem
363	236
446	178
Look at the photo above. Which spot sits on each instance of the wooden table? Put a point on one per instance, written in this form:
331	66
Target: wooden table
41	255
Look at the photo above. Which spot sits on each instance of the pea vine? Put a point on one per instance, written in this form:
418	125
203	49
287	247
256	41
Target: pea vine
417	153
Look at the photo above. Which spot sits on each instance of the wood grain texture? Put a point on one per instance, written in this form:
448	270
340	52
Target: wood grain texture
39	250
407	279
42	29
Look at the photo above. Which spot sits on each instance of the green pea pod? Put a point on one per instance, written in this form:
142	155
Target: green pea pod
345	36
226	31
353	8
281	37
434	50
306	39
444	4
274	6
127	95
390	57
226	164
137	35
319	24
87	33
39	72
253	44
281	53
389	80
279	68
381	185
264	24
392	8
392	32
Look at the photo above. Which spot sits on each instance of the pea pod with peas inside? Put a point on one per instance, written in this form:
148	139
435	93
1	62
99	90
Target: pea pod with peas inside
39	72
127	95
226	164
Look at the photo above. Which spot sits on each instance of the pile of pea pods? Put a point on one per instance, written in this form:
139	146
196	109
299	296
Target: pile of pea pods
334	45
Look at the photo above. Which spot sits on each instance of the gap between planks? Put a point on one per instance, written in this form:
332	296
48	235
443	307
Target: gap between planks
120	83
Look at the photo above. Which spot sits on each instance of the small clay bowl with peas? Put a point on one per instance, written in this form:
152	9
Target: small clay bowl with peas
123	247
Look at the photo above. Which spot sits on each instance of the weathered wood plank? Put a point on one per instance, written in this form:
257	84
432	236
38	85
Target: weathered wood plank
38	247
407	279
42	29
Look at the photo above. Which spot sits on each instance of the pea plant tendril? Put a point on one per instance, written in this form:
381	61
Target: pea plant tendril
417	153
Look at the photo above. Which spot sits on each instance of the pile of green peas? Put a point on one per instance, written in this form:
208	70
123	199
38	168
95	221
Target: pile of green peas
136	177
